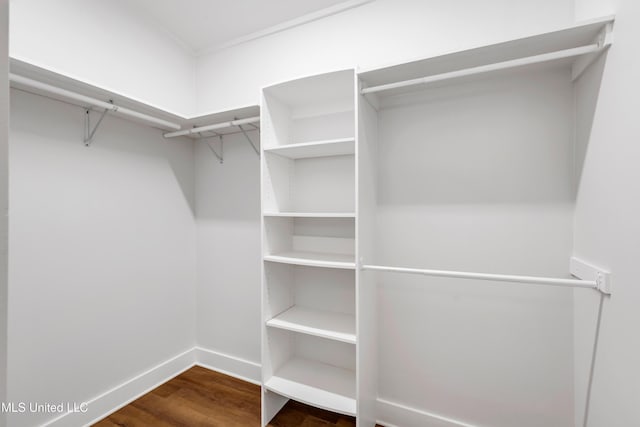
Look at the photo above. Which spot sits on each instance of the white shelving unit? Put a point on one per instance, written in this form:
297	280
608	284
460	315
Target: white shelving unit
321	169
458	186
309	224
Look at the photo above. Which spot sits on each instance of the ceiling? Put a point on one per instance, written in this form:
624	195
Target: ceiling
201	25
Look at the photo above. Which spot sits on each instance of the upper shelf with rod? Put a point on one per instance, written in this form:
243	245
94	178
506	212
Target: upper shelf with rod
220	129
577	46
40	81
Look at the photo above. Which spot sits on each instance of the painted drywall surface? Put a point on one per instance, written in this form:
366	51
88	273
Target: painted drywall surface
229	256
607	222
478	177
102	253
106	44
373	35
4	194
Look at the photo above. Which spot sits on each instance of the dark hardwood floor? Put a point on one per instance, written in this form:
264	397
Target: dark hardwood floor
200	397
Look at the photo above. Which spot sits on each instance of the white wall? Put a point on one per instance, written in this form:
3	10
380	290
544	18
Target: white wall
229	255
106	44
102	261
382	32
110	44
4	193
607	224
478	177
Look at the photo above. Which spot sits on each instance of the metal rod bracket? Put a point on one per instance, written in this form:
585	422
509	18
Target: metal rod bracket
603	40
246	135
220	156
603	280
587	271
605	37
89	133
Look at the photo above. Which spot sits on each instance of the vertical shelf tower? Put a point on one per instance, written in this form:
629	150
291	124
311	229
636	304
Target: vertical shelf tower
310	336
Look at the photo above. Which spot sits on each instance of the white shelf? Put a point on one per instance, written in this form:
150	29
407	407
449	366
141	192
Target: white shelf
314	259
71	83
308	190
331	147
319	89
311	214
316	384
579	35
325	324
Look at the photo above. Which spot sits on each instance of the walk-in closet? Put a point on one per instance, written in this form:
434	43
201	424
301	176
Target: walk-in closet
367	213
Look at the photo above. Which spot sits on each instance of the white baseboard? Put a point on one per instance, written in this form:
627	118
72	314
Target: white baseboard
237	367
114	399
123	394
391	414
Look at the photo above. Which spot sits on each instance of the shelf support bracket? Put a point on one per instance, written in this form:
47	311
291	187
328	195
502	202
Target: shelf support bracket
88	132
604	40
246	135
220	156
586	271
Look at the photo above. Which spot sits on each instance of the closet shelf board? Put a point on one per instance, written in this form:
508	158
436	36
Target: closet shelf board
71	83
314	259
305	150
320	323
317	384
578	35
311	214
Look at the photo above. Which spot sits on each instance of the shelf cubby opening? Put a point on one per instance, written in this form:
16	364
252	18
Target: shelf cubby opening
322	242
310	109
316	148
312	370
309	300
322	184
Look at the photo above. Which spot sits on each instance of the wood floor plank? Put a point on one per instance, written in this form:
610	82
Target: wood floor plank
132	416
166	389
203	398
239	413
